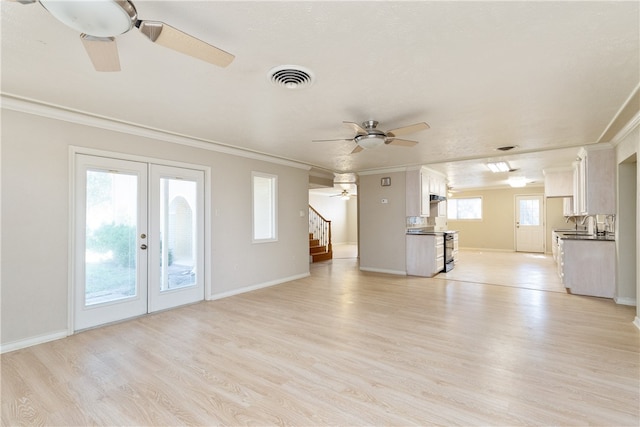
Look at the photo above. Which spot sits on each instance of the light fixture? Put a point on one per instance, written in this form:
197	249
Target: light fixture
498	167
517	181
99	18
345	197
371	140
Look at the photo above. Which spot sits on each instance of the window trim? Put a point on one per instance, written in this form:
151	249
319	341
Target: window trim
467	219
274	207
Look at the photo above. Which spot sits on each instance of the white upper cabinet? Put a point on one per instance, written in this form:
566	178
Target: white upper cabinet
595	186
417	193
558	182
421	183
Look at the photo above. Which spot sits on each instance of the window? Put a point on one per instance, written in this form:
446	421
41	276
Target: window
265	202
470	208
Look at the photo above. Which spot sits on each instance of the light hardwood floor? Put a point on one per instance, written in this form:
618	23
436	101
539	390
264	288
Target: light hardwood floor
516	269
343	347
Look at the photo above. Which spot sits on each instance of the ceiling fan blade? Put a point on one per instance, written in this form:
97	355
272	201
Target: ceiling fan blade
357	149
102	51
332	140
405	130
356	127
167	36
402	142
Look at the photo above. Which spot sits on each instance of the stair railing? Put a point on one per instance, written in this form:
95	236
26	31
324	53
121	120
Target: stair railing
321	228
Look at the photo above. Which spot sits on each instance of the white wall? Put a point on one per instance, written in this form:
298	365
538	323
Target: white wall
382	225
496	230
352	221
35	218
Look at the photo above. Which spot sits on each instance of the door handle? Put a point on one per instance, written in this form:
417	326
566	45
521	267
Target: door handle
143	246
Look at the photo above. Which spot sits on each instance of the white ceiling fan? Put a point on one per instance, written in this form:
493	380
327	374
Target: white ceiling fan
99	21
368	136
345	195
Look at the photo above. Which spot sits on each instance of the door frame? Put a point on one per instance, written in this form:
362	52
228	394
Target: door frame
543	218
71	265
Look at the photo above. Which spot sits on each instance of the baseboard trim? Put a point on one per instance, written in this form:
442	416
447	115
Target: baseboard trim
246	289
637	322
28	342
625	301
384	270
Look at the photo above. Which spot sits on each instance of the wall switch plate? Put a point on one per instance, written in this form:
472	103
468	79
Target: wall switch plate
384	201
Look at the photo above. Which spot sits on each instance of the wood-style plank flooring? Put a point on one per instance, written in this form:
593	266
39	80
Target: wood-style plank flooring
517	269
343	347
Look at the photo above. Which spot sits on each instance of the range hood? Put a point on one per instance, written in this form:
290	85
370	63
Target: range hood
434	198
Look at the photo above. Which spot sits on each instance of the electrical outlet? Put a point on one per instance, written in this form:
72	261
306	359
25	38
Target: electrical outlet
384	201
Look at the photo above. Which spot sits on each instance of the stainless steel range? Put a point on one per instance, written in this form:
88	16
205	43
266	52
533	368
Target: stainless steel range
448	251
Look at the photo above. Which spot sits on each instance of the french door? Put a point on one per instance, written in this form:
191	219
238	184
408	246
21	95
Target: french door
138	239
529	224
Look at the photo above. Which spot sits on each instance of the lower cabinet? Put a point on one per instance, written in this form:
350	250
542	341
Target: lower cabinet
425	254
588	267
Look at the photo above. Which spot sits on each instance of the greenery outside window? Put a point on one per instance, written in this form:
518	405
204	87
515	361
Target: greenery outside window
465	208
265	202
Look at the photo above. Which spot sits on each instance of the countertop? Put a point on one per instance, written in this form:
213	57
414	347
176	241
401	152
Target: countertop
584	236
420	232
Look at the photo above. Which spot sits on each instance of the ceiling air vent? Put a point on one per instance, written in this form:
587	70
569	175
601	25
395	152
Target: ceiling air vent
507	148
291	76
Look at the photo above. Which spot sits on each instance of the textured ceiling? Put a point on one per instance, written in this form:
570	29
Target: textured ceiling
540	75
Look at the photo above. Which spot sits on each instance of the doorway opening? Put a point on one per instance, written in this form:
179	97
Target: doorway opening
626	232
340	206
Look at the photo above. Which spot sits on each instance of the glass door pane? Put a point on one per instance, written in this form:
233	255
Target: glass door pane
110	262
176	238
110	230
530	212
178	223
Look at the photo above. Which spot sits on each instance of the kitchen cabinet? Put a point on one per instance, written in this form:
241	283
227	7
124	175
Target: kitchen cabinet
567	206
558	182
594	180
425	254
587	267
417	193
420	184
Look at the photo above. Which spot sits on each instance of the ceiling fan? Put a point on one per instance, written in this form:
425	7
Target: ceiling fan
368	136
99	21
345	195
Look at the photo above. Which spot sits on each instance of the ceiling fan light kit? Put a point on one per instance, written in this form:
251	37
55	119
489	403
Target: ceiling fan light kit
368	136
98	18
370	141
99	21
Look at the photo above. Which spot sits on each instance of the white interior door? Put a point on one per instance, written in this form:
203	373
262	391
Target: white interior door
529	224
139	239
176	240
110	265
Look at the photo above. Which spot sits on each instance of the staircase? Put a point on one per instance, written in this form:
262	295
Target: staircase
320	248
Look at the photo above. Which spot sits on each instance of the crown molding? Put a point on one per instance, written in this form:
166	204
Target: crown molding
51	111
381	171
626	130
